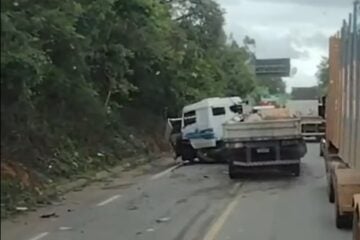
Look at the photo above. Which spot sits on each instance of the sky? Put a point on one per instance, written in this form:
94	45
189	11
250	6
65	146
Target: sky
296	29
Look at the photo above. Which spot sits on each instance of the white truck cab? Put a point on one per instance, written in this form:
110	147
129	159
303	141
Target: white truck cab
202	125
202	121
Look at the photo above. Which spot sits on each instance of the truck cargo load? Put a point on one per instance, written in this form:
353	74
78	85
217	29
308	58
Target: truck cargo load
271	140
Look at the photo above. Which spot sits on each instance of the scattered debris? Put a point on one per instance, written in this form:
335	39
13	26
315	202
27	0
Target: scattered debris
22	208
150	230
70	210
65	228
49	215
138	233
205	176
132	208
162	220
117	186
144	195
183	200
100	154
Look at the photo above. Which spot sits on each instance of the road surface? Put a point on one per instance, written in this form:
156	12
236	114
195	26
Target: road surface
197	202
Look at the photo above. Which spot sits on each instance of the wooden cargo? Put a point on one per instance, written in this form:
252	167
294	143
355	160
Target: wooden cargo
341	149
333	99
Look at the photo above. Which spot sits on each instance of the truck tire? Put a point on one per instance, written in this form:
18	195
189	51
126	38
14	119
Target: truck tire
342	221
331	194
232	172
355	226
188	153
295	169
321	151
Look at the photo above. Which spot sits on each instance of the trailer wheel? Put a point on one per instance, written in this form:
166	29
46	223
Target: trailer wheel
355	226
331	194
321	152
295	169
188	153
232	172
342	221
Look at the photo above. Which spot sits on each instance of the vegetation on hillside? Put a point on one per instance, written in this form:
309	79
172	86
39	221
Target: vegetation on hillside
83	83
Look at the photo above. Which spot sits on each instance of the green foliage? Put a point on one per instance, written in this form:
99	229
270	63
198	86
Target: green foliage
323	74
70	68
275	85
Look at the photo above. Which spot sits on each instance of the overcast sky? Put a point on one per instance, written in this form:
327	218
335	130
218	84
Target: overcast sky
298	29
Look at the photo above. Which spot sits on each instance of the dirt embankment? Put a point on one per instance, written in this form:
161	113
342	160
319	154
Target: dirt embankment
29	176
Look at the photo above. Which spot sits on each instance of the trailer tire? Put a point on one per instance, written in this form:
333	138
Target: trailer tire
188	153
321	152
232	172
355	226
342	221
296	169
331	193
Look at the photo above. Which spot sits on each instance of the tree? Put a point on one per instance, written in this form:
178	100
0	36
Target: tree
323	74
275	85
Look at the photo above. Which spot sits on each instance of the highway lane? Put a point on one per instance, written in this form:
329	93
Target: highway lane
195	202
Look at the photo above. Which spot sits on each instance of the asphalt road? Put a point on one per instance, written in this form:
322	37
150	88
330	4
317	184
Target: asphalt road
197	202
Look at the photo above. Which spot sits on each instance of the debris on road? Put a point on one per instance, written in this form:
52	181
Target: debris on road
21	208
162	220
183	200
150	230
49	215
132	208
65	228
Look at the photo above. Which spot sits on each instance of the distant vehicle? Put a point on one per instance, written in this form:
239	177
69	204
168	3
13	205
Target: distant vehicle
305	104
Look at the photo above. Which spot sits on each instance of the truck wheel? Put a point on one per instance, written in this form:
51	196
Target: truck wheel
321	152
295	169
232	173
188	153
331	193
342	221
355	226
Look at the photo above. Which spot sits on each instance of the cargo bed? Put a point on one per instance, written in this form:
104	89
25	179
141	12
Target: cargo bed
264	144
262	130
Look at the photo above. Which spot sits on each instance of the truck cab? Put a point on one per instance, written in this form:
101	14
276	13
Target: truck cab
201	128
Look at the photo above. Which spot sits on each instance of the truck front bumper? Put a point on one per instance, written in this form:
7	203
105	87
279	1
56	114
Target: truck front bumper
265	163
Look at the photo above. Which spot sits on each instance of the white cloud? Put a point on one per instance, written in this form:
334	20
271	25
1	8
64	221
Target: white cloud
298	29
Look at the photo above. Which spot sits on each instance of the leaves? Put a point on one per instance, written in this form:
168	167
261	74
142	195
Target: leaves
323	74
69	67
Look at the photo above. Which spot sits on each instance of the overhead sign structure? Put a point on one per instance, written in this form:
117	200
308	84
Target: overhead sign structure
275	67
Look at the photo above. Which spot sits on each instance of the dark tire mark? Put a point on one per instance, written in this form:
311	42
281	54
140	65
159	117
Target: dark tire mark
191	222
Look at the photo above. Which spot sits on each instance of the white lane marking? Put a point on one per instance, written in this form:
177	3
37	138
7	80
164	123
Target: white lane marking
163	173
235	188
40	236
217	226
107	201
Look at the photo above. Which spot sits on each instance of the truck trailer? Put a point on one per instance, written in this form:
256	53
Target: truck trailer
306	104
341	145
